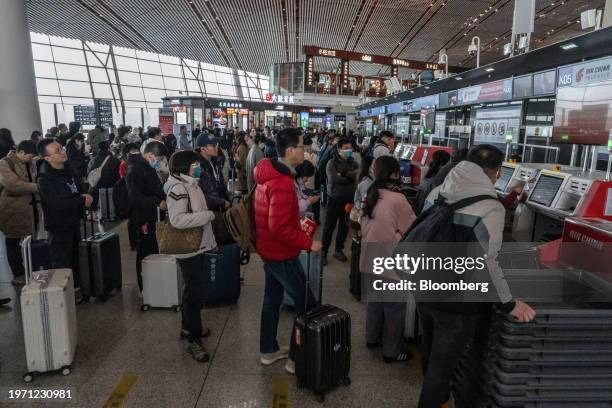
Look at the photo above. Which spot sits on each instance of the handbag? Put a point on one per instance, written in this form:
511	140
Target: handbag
175	241
94	176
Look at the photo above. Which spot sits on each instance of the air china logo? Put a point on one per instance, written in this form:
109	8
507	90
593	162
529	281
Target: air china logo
579	75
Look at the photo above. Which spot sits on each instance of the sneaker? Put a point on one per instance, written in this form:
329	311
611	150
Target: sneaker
198	352
290	367
407	356
4	301
270	358
185	333
339	255
18	280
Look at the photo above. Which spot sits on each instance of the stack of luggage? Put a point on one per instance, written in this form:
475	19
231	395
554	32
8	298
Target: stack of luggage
561	359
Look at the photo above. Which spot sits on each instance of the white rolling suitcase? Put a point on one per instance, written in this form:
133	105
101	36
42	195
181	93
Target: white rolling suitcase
162	282
49	318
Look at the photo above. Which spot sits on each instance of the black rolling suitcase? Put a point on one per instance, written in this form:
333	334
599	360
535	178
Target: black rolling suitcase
99	262
323	346
355	275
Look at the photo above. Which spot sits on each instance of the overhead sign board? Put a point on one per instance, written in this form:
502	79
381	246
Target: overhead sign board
585	73
491	91
375	59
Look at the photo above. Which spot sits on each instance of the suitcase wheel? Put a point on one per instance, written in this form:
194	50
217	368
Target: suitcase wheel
28	377
176	308
144	308
347	381
66	370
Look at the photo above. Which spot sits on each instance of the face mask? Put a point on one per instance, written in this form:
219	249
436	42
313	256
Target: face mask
156	164
262	145
347	153
197	172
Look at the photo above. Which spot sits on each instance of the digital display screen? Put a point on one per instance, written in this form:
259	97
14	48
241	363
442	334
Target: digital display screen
522	87
545	190
544	83
583	114
504	178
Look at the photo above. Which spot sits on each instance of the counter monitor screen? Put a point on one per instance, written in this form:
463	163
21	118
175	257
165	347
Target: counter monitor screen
545	190
504	178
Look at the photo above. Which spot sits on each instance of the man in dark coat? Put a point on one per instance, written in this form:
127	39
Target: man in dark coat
63	205
146	195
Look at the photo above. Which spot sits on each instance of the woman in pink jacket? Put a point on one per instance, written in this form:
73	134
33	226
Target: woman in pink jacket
387	215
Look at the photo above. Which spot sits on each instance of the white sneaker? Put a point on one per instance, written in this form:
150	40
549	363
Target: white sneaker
290	367
270	358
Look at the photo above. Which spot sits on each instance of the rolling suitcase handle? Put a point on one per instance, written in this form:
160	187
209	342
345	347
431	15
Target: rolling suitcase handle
309	252
26	253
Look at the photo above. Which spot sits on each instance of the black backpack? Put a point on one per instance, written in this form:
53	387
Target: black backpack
435	225
121	199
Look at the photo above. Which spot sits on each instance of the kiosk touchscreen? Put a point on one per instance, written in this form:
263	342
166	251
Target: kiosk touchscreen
546	189
398	150
504	179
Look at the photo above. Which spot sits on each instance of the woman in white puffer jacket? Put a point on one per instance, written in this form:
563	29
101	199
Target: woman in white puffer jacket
187	209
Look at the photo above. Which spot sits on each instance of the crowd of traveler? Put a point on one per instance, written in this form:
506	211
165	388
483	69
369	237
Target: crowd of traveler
45	191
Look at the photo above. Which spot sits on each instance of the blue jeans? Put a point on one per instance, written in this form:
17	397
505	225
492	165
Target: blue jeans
281	276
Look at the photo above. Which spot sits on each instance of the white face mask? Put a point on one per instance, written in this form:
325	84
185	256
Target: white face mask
262	145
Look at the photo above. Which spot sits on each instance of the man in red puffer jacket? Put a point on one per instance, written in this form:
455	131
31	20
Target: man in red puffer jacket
279	241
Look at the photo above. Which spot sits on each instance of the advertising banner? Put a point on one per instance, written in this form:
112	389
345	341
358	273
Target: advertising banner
585	73
492	91
166	123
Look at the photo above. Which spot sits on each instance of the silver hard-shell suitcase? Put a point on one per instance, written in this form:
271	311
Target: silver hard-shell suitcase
49	318
162	282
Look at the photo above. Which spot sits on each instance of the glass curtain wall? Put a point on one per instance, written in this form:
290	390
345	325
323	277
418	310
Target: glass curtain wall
73	72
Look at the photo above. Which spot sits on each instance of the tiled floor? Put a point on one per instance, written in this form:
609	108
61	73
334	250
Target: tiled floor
116	338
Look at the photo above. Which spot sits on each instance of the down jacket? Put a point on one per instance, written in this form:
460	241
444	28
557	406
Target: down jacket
277	214
18	191
182	193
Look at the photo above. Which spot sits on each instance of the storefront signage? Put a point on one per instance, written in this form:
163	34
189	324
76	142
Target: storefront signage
309	70
230	104
327	53
339	118
586	73
317	110
274	98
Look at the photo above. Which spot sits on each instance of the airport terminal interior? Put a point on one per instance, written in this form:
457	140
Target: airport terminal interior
206	203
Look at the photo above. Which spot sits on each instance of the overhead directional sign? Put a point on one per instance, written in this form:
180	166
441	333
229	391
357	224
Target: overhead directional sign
374	59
